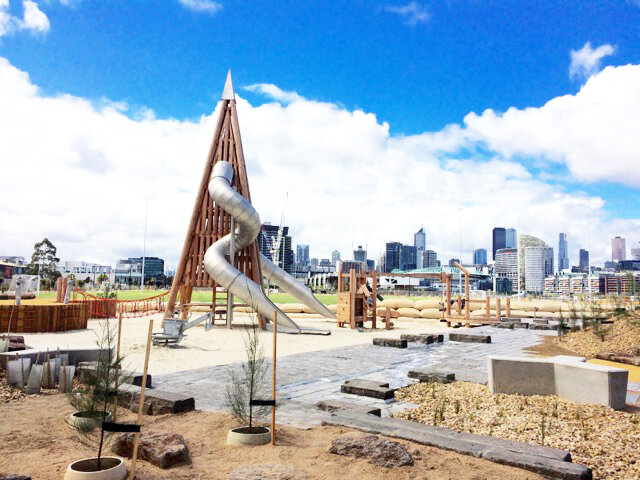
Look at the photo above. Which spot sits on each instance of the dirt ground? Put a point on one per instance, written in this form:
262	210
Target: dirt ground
548	347
35	440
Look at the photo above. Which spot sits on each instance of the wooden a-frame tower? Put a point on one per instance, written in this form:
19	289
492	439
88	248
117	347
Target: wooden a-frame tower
208	221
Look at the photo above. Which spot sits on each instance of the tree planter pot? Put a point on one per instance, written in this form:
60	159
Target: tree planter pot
242	436
86	422
112	468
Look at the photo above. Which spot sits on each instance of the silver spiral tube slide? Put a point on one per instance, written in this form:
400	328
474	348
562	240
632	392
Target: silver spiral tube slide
217	265
290	285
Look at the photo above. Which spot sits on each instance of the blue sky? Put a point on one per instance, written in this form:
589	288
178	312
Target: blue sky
467	56
511	109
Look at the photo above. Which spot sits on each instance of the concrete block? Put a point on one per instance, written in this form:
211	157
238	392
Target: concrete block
425	339
76	354
368	388
521	375
156	402
469	338
508	325
591	383
520	325
390	342
335	405
424	376
546	467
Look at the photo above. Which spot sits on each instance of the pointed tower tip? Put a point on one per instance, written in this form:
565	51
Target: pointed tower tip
228	93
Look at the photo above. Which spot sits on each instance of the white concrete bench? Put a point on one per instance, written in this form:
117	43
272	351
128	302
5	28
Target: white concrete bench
76	354
565	376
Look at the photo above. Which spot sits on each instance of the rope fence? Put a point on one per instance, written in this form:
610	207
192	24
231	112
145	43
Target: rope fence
112	307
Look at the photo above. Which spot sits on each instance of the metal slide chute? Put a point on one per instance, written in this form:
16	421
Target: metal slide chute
248	227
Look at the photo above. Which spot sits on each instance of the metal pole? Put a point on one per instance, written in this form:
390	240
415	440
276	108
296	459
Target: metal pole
460	250
518	253
144	244
273	380
231	255
589	263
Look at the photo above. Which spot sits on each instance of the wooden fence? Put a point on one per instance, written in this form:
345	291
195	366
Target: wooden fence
44	318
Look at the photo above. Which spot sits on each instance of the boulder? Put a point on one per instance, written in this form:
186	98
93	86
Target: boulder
163	450
374	449
270	471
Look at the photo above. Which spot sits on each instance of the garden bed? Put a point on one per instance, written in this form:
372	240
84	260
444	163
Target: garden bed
601	438
622	336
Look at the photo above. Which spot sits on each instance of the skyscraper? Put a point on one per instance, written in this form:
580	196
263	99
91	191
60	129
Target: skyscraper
408	257
499	240
267	238
524	242
420	242
480	256
360	255
635	254
618	249
548	262
302	255
335	257
535	261
563	255
392	256
507	267
584	260
429	259
511	238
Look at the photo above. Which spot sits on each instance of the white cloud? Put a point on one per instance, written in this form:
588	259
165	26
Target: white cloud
272	91
79	173
201	6
586	61
413	12
34	19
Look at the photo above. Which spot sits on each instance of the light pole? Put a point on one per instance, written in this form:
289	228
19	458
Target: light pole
144	243
589	262
460	249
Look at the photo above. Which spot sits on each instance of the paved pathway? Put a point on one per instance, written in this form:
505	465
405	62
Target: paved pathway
306	378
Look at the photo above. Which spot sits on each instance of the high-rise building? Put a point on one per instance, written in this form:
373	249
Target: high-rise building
302	255
420	242
360	254
335	257
535	261
507	268
392	256
429	259
408	257
584	260
618	249
267	239
511	238
526	241
635	254
453	260
548	262
480	256
563	253
499	240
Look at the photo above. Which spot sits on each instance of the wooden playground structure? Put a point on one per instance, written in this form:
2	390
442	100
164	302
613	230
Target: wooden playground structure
358	296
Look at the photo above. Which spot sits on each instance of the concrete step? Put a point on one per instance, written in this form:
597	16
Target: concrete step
368	388
469	338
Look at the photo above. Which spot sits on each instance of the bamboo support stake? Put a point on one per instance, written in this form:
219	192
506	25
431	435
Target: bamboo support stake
115	401
273	380
498	311
134	456
508	307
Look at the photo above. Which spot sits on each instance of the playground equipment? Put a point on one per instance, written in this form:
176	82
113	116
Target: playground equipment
220	250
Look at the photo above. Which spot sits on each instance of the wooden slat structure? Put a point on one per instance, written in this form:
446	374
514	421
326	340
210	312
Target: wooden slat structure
209	222
44	318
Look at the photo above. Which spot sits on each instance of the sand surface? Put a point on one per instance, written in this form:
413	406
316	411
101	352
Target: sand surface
219	345
38	442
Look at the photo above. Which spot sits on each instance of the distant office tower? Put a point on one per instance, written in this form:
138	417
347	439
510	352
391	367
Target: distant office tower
302	255
526	241
430	259
635	254
535	261
507	268
420	242
392	256
313	263
618	249
267	238
335	257
453	260
584	260
480	256
499	240
408	257
548	262
360	255
511	238
563	254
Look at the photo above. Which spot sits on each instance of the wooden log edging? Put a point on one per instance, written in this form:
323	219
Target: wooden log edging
44	318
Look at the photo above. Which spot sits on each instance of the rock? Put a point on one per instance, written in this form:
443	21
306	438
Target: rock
163	450
156	402
13	476
426	376
335	405
374	449
270	471
390	342
469	338
426	339
16	343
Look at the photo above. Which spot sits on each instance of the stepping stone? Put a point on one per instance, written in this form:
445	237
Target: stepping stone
156	402
469	338
368	388
542	326
541	321
520	325
335	405
390	342
424	376
421	338
509	325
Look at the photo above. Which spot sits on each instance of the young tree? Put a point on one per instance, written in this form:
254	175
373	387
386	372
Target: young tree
103	277
44	262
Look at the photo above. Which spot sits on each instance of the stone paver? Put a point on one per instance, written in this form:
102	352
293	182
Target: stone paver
307	378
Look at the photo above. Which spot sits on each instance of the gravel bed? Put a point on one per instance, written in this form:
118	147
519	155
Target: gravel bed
623	336
605	440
